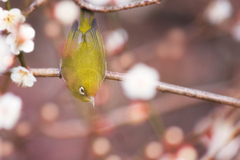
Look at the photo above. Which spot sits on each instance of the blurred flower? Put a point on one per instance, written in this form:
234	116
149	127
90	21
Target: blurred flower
236	31
218	11
173	136
4	0
52	29
115	40
187	152
230	150
7	149
118	2
6	58
153	150
140	82
101	124
167	156
101	146
99	2
222	132
22	39
49	112
138	112
22	75
66	12
10	107
23	129
113	157
10	19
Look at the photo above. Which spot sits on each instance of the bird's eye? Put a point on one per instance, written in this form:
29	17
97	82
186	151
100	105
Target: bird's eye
82	91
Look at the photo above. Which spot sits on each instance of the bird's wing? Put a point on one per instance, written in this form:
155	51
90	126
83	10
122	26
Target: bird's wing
75	36
93	36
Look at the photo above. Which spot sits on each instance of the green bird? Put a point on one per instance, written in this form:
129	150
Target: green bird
83	62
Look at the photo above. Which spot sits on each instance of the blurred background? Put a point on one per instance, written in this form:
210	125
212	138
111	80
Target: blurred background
193	44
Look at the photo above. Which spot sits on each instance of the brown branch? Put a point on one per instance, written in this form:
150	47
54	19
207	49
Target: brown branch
93	8
161	86
33	6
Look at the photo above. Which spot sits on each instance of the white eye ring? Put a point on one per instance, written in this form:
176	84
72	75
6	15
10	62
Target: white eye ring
82	91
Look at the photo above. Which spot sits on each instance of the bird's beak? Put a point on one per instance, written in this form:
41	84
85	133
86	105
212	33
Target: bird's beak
92	101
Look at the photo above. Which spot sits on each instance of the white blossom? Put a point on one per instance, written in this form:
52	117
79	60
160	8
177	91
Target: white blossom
6	58
10	107
22	39
4	0
22	75
99	2
230	150
140	82
66	12
221	133
10	19
118	2
115	40
219	11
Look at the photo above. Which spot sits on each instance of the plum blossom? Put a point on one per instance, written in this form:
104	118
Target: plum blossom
118	2
222	132
22	75
218	11
140	82
22	39
10	107
10	19
99	2
66	12
116	40
230	150
6	58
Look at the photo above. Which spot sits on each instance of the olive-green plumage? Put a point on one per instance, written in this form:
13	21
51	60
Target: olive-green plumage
83	62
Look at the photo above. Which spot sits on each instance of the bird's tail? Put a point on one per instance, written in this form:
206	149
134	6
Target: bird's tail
86	20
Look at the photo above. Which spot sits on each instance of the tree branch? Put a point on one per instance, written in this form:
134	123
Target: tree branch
22	60
161	86
33	6
93	8
7	4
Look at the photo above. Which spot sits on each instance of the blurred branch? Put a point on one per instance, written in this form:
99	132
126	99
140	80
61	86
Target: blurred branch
161	86
93	8
33	6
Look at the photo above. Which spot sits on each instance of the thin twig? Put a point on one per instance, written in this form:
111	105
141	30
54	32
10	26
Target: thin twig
93	8
33	6
7	4
22	60
161	86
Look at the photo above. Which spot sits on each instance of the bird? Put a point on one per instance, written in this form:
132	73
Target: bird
83	64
